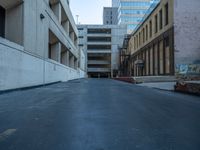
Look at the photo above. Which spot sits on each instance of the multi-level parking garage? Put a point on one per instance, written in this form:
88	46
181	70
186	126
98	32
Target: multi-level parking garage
38	43
101	44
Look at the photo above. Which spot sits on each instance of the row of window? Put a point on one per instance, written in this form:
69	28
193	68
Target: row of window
131	19
133	11
135	4
99	31
147	31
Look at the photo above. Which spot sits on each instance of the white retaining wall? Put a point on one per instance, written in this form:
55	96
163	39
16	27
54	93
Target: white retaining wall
18	68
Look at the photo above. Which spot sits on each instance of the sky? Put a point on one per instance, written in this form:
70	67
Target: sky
89	11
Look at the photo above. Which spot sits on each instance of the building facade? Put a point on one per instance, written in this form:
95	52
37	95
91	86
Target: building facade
131	12
110	15
38	43
167	41
101	44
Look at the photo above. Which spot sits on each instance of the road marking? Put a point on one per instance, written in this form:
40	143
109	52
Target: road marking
6	134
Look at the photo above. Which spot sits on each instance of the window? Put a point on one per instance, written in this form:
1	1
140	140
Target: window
98	39
134	42
139	38
161	19
99	47
2	22
143	35
99	31
156	23
147	33
167	42
166	14
80	37
80	28
150	26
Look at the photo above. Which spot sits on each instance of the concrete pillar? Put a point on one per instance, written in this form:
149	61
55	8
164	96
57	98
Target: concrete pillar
72	36
76	42
66	26
68	59
14	24
64	58
57	11
75	63
55	52
71	61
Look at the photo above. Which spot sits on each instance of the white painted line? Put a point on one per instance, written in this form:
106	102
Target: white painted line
6	134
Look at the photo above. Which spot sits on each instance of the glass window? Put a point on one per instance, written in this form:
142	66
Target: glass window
166	14
150	26
147	32
156	23
161	19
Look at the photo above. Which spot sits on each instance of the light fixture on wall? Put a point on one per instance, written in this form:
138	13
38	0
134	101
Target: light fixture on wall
42	16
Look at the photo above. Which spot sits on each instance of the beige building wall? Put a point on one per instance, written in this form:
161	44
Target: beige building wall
152	42
167	44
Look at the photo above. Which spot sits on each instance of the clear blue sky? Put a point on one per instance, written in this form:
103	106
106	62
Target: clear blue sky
89	11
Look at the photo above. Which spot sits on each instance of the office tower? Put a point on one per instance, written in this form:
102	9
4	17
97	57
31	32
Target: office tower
131	12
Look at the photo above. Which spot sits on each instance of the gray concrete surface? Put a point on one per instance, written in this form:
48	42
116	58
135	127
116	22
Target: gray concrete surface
27	52
98	114
169	86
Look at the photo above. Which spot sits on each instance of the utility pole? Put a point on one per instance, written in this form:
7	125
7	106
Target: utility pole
77	16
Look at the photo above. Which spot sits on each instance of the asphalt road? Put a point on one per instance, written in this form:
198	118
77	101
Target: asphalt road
98	114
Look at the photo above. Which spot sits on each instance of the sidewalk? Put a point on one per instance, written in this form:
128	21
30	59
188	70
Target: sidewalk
192	87
168	86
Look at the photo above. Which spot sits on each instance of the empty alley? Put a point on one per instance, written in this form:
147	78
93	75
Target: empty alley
98	114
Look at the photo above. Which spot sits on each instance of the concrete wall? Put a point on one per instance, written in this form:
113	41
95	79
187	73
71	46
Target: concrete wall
187	36
25	62
14	24
135	44
21	69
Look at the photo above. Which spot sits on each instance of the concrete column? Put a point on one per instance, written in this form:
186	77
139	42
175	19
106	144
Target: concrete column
72	36
64	58
68	59
71	61
66	26
75	63
76	42
55	52
57	11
